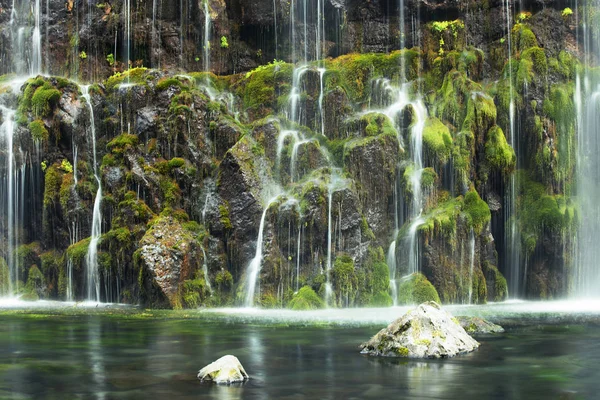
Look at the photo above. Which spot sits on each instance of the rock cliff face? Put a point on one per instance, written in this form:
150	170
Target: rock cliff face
366	166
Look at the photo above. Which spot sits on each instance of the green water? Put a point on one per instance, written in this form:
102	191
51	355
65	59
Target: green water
124	357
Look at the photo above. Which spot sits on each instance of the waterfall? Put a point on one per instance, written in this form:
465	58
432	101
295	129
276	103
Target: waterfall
9	199
587	273
391	262
298	253
471	263
512	255
294	114
321	96
36	42
206	46
155	33
127	24
205	270
255	265
26	39
335	184
275	26
92	273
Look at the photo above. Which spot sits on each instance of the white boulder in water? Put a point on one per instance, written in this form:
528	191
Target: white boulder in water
425	332
225	370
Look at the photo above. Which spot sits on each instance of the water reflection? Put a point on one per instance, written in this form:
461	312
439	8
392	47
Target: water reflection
96	358
119	358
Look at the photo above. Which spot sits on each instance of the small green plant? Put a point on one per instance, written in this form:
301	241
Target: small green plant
503	40
224	43
66	166
111	59
197	59
83	55
523	16
567	12
44	165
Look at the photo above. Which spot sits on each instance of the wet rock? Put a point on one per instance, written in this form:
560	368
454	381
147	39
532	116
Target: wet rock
478	326
225	370
425	332
168	255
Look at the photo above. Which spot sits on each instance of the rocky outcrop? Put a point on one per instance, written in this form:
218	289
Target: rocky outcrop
226	370
425	332
478	326
168	255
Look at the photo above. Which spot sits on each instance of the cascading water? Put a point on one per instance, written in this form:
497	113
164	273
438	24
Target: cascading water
513	262
36	42
336	183
586	279
205	270
206	45
92	273
253	271
127	34
471	263
26	39
9	198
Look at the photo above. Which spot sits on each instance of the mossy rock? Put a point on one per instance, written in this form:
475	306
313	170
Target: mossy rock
4	278
437	142
416	290
499	155
306	299
477	210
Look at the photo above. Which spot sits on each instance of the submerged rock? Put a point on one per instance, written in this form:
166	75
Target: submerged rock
425	332
478	326
225	370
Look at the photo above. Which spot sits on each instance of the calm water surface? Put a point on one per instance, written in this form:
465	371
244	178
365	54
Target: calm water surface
107	357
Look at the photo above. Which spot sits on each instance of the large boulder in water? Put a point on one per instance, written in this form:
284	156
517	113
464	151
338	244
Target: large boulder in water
225	370
425	332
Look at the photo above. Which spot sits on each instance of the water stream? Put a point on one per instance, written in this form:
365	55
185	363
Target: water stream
92	272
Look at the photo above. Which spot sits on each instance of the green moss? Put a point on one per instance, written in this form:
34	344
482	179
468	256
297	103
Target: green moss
78	251
167	82
541	212
498	153
480	116
176	162
224	280
35	280
344	280
477	210
136	76
4	278
374	276
39	97
374	124
523	38
416	290
437	142
53	181
442	219
306	299
44	100
354	72
65	191
225	217
38	130
122	143
533	68
193	293
258	88
402	352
